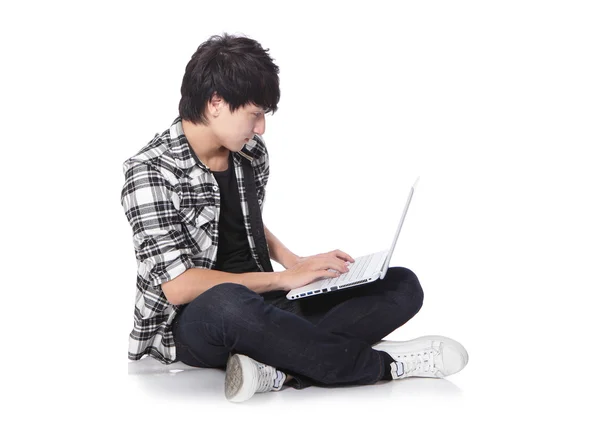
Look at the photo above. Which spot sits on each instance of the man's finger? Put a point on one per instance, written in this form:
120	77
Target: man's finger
334	263
323	274
343	255
330	264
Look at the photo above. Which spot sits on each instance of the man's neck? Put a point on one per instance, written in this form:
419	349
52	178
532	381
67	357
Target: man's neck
206	146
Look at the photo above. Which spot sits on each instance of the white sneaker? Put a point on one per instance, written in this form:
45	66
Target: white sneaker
430	356
245	376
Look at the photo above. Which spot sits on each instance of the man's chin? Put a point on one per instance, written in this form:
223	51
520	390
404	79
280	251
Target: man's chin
238	148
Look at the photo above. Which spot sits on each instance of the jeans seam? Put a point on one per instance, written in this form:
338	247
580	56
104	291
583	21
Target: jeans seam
381	366
194	354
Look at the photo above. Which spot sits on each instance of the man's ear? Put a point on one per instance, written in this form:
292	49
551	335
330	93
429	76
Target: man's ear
215	105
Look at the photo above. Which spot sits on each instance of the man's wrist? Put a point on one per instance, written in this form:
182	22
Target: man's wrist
291	261
275	284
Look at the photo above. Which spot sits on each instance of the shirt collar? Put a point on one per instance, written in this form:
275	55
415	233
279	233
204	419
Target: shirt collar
185	158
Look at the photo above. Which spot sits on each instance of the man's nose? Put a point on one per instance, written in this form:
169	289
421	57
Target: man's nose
259	128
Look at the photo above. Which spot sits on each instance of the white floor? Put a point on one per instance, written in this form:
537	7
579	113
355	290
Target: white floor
191	391
179	381
519	392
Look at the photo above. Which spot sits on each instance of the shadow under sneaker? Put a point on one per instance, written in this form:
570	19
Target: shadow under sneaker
245	376
430	356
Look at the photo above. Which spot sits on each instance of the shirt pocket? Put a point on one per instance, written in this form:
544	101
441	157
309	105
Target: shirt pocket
198	224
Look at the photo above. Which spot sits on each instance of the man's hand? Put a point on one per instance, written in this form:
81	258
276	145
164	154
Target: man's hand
336	254
309	269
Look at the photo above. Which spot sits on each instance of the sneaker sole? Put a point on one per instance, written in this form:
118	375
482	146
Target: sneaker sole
238	388
417	344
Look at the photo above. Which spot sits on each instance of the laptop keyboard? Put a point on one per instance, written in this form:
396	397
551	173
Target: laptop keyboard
356	275
356	270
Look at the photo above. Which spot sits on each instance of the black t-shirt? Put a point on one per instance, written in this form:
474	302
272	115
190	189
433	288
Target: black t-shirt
233	252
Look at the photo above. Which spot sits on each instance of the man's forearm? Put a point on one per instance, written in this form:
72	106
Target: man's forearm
194	281
279	252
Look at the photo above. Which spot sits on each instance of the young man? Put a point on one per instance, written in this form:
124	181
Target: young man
206	291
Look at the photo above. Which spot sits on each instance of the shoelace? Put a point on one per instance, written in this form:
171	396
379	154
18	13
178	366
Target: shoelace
419	363
269	378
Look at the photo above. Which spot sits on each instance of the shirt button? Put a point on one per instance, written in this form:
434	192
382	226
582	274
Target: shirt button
215	188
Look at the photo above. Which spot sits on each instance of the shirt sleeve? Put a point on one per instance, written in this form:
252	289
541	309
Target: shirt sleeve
160	247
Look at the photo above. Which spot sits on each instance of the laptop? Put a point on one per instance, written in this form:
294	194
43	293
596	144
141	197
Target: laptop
364	270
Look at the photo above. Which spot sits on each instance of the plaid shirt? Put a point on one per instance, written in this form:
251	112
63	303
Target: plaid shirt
172	203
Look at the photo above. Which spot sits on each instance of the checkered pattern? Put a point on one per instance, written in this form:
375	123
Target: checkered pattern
172	203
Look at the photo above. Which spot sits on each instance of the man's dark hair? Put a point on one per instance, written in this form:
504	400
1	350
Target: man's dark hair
237	68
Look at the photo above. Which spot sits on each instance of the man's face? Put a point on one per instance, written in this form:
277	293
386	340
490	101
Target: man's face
235	129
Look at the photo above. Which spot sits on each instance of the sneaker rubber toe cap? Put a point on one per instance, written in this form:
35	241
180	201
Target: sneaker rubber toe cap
454	357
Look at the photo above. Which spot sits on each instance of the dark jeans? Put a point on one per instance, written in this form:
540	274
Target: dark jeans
324	340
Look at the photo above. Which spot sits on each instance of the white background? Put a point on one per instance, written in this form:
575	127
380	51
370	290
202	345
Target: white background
494	104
